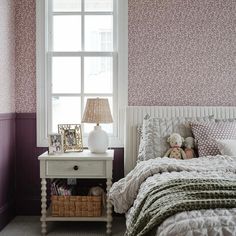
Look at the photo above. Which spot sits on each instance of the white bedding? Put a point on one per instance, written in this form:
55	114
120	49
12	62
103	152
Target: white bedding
128	192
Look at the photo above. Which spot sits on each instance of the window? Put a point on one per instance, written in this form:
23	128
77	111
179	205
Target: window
81	53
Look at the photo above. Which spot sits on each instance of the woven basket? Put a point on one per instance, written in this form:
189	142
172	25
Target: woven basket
76	206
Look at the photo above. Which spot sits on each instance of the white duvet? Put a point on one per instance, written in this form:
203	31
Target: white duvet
128	192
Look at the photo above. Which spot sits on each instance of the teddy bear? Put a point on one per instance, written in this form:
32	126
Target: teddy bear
98	191
175	141
189	144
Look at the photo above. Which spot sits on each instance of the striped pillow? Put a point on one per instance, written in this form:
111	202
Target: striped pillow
206	134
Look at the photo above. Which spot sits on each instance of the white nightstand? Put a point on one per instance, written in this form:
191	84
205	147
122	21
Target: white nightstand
79	165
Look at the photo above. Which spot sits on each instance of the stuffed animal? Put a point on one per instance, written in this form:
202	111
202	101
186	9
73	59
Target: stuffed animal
98	191
189	144
175	141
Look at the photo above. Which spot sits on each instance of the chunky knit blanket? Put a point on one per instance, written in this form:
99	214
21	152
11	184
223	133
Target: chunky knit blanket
164	200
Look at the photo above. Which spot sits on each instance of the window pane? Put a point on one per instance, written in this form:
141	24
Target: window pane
107	127
66	33
98	5
65	110
98	75
66	5
66	75
98	33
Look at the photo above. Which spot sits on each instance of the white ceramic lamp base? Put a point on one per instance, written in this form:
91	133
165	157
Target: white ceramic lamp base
98	140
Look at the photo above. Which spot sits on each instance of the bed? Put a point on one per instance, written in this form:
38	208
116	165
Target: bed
165	196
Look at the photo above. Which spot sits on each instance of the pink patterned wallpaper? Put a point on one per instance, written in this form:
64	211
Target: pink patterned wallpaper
7	56
182	52
25	56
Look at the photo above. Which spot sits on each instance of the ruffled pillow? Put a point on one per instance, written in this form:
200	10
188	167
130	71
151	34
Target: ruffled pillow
227	147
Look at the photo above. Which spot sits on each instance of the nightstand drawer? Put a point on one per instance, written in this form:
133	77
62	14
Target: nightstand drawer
76	168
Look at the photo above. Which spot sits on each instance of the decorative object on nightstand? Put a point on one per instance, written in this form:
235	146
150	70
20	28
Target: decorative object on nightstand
72	137
97	111
55	143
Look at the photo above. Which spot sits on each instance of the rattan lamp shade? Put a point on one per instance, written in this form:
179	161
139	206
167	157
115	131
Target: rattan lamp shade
97	111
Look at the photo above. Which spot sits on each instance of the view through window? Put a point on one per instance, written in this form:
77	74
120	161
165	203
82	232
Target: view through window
81	58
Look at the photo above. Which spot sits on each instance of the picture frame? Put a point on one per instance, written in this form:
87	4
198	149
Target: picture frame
55	144
72	137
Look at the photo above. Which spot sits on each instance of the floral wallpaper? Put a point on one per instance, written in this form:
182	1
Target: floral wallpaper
25	55
7	56
182	52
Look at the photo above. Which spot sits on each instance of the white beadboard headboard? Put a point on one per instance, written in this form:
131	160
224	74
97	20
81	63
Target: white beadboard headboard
135	115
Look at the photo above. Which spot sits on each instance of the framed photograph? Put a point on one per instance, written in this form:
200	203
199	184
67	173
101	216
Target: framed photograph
72	137
55	144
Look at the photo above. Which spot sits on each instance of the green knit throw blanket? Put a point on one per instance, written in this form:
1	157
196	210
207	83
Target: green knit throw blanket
165	200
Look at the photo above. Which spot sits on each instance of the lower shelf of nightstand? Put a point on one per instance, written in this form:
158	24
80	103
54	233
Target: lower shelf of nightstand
49	217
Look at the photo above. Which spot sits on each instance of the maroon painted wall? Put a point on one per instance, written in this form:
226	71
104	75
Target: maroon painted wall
27	171
7	168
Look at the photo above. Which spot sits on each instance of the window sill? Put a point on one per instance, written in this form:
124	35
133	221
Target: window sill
114	142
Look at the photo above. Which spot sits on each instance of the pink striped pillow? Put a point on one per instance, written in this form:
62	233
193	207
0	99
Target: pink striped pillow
206	134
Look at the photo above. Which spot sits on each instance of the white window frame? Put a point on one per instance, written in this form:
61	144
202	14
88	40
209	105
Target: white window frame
120	89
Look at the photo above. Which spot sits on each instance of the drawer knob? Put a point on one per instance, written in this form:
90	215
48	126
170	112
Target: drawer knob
76	167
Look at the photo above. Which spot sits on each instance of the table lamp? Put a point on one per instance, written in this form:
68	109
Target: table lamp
97	111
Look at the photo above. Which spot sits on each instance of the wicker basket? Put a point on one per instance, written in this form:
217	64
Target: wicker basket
76	206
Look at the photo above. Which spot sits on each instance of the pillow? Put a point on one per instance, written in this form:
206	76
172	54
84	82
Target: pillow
155	131
227	146
207	133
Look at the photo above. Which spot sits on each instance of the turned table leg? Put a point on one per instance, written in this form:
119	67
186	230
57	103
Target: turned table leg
43	206
109	208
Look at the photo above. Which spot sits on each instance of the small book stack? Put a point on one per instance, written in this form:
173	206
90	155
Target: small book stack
59	187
